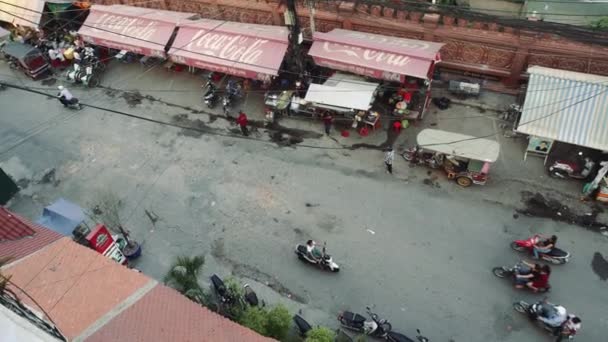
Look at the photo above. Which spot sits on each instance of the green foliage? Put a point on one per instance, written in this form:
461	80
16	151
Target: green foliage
272	323
278	323
255	319
320	334
183	276
600	24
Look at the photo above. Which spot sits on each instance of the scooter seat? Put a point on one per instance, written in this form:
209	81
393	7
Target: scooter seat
556	252
353	317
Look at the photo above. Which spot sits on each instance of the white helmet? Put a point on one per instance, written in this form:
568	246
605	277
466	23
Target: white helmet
60	87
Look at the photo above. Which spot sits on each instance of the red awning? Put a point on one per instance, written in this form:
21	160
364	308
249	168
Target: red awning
374	55
144	31
240	49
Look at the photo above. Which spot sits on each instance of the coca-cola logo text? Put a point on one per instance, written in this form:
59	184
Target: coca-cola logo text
368	54
236	48
132	27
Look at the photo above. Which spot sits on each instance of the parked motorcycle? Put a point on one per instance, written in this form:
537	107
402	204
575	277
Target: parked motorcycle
326	262
303	326
85	74
375	327
393	336
233	90
534	311
224	295
415	155
210	96
572	169
556	256
511	272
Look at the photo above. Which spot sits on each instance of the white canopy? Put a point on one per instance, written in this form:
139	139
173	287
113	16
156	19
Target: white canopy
22	12
458	145
343	92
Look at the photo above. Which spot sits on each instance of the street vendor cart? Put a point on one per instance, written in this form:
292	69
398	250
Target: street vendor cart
277	103
464	158
27	58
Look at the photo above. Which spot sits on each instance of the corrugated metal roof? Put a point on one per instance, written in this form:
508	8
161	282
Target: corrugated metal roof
566	106
11	228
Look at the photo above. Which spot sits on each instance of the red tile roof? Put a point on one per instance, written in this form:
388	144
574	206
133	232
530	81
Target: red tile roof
75	285
12	228
163	314
19	237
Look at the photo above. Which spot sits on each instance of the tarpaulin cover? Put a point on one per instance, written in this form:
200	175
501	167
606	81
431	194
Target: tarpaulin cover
374	55
141	30
62	216
245	50
344	92
22	12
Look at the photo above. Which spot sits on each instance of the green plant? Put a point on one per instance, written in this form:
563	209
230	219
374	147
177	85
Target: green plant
255	319
320	334
272	323
183	276
600	24
278	323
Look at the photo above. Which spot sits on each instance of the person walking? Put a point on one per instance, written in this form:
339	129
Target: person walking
242	122
389	157
327	121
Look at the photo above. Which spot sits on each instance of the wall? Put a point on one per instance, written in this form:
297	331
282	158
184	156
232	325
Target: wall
485	48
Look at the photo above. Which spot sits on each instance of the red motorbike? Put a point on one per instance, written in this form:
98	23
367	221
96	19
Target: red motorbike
556	256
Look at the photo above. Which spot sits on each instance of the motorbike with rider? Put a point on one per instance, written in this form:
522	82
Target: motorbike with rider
553	318
67	99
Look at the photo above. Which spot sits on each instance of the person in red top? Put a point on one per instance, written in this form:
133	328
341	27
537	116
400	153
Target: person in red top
541	281
327	120
242	122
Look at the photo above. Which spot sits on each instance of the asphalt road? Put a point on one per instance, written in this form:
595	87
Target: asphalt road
421	254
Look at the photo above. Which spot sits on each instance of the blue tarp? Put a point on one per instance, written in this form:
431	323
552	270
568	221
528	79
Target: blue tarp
62	216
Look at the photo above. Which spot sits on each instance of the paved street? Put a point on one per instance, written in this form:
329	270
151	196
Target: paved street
420	253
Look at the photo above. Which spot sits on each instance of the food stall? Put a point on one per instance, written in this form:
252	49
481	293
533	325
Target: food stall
342	94
404	65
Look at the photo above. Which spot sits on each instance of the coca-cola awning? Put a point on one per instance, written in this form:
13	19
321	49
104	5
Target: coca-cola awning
141	30
245	50
374	55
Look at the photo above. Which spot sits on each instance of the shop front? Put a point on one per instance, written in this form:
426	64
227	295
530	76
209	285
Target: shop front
565	115
404	65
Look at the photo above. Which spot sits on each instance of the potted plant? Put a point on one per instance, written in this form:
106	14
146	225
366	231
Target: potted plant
107	210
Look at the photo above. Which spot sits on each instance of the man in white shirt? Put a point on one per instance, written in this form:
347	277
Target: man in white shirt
389	157
65	97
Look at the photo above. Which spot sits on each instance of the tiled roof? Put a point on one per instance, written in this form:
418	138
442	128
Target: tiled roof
19	237
163	314
12	228
75	285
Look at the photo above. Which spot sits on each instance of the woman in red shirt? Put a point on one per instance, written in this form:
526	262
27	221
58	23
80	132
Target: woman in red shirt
541	281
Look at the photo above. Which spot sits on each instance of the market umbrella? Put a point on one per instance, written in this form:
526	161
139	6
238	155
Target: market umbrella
62	216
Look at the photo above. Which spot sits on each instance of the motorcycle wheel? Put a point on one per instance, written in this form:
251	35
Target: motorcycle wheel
93	82
464	181
517	247
521	307
499	272
556	261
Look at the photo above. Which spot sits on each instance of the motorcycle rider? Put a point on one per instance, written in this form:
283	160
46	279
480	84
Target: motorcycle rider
544	246
65	97
526	273
312	250
568	328
541	280
553	316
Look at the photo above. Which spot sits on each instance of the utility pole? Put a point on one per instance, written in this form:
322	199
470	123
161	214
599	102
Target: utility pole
291	19
311	14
